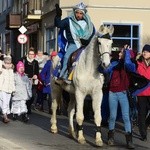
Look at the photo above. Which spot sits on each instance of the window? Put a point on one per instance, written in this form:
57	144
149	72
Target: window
25	9
126	34
50	39
4	5
9	3
17	7
1	6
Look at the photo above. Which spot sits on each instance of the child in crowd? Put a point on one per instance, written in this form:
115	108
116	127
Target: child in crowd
22	94
7	86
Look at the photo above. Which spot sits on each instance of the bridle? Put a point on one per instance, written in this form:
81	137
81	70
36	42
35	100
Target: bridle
106	36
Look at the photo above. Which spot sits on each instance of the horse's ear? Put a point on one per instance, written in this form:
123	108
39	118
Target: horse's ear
111	30
101	29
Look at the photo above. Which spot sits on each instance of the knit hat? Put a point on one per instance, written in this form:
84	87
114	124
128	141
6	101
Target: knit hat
19	65
146	48
80	7
53	53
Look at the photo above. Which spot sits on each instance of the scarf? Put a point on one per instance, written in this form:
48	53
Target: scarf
82	34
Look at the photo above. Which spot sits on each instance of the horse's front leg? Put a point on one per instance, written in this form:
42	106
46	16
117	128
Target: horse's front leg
53	116
96	104
79	116
71	112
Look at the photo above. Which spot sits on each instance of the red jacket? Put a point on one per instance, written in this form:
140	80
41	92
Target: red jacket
143	70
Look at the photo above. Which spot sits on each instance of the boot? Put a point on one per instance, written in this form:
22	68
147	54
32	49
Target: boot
25	118
15	117
111	137
130	144
5	119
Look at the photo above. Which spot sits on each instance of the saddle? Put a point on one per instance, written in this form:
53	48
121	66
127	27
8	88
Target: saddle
73	58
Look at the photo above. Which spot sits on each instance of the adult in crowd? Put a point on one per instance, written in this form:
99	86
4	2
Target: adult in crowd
143	95
32	71
118	85
41	58
46	80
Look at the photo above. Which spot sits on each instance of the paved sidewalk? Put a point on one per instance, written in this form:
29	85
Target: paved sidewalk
8	145
36	136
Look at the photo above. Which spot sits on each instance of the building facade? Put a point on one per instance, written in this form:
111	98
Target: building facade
130	20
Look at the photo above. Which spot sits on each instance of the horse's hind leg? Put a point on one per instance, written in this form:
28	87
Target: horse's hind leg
55	102
71	112
96	104
79	116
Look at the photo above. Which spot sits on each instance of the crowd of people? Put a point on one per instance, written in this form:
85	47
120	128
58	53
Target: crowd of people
128	86
24	84
30	82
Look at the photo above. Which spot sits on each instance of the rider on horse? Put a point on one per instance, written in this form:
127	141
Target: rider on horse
76	30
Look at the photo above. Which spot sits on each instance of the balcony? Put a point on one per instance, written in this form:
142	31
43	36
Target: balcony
13	21
32	10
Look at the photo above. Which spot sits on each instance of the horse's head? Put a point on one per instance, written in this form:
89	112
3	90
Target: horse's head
105	44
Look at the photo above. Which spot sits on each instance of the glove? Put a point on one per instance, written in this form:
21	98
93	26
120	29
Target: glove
58	11
56	61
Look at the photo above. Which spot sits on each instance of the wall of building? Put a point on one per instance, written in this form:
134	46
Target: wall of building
114	11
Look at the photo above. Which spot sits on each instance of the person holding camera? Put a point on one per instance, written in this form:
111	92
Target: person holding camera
118	86
76	30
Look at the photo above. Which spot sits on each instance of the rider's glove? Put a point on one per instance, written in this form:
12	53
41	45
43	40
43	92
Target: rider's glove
58	11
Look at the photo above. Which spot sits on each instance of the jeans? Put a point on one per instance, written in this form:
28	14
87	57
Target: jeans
70	49
114	99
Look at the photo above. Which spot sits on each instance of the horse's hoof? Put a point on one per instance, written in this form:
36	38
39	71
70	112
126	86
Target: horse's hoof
82	141
54	131
99	143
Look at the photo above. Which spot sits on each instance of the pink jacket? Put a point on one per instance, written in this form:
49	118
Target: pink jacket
142	69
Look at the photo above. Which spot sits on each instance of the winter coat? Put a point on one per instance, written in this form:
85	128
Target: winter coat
41	62
118	73
7	80
45	77
66	35
31	68
143	70
23	88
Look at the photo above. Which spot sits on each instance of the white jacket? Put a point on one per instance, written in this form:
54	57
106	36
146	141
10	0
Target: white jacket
7	80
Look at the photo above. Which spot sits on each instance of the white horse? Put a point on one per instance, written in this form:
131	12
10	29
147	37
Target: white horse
86	81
